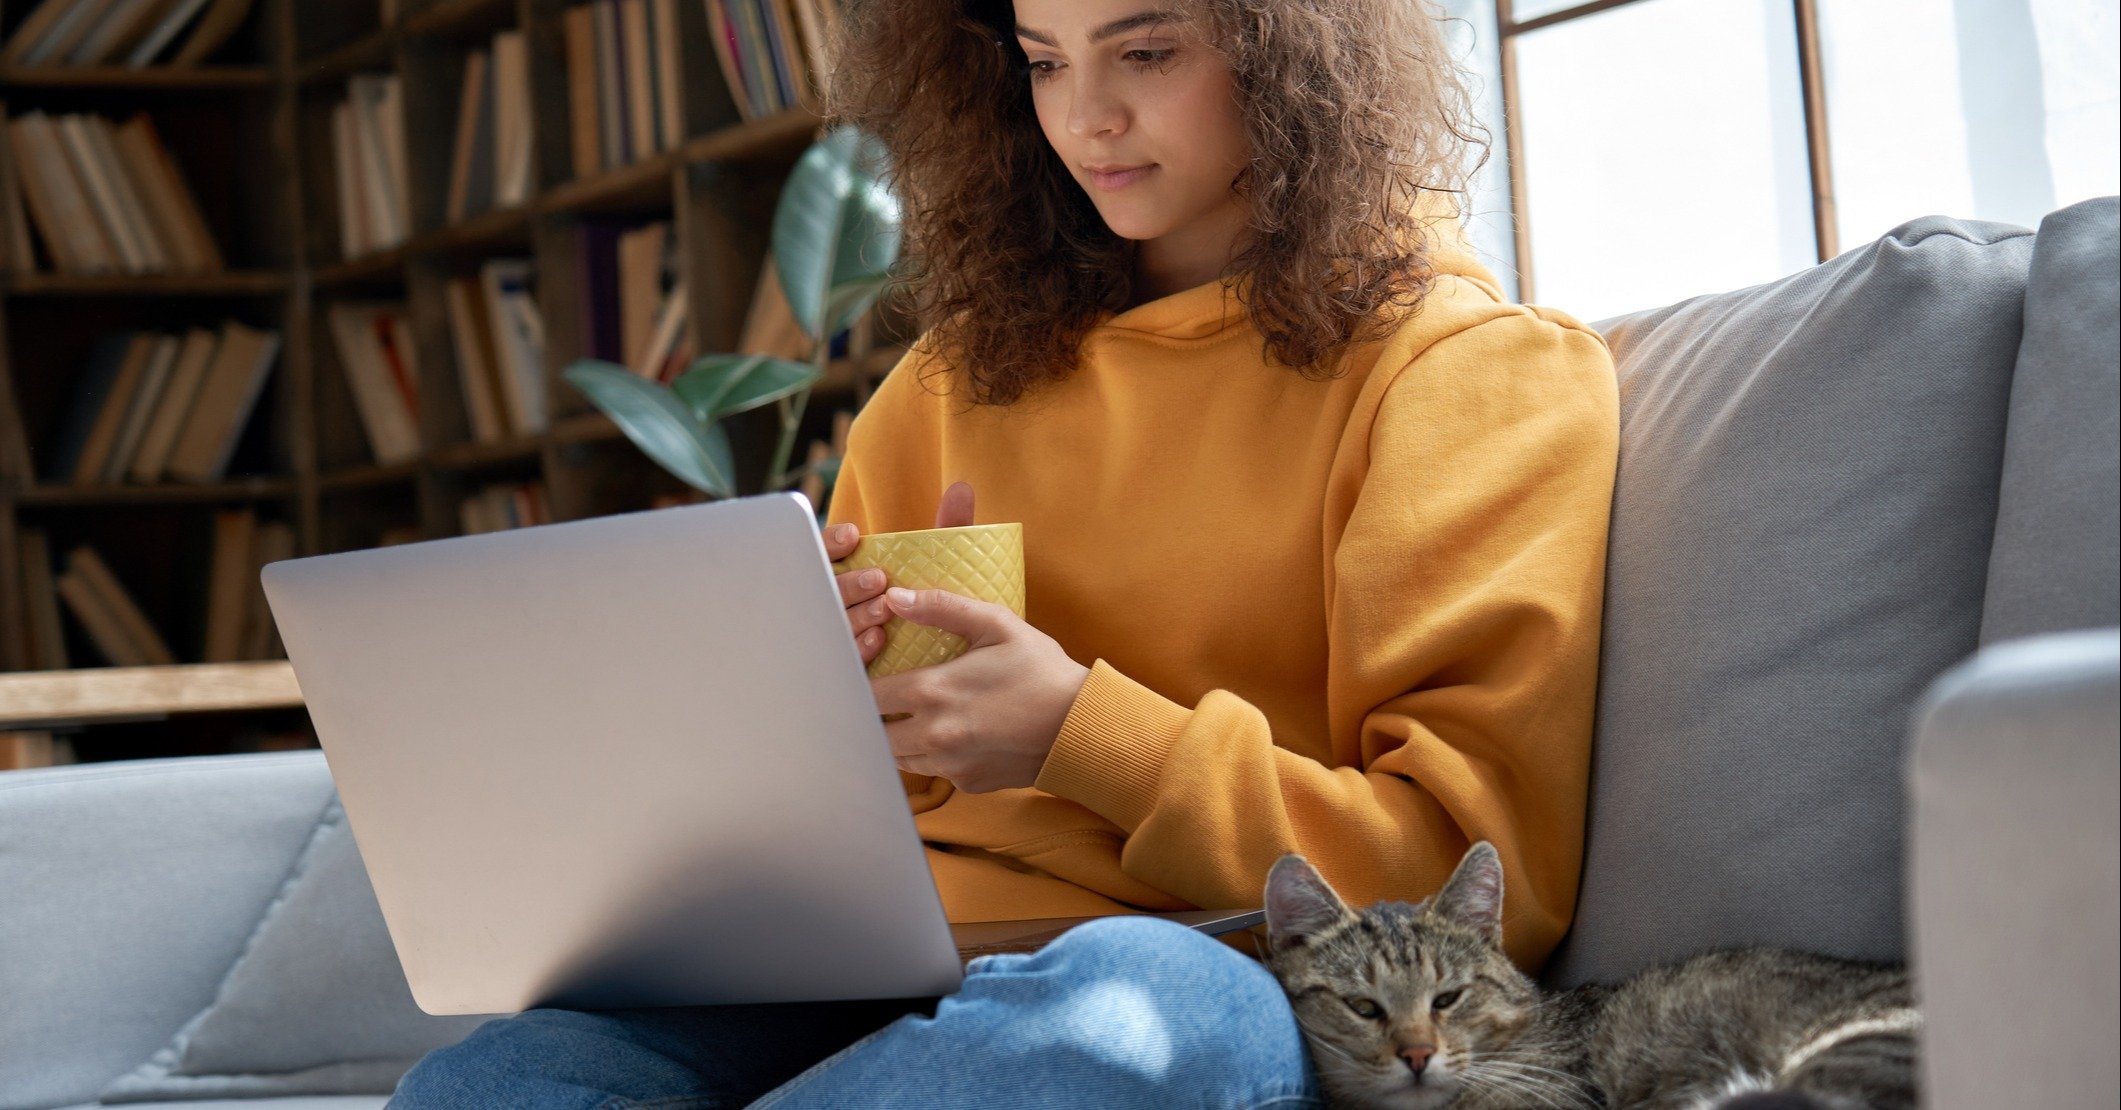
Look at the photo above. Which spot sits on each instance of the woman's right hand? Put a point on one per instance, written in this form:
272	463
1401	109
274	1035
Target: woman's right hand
861	591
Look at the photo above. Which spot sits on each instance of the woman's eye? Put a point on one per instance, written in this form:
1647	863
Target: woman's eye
1446	1000
1040	70
1146	57
1364	1008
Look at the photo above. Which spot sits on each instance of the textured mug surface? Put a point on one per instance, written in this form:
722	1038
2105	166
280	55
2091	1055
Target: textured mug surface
983	561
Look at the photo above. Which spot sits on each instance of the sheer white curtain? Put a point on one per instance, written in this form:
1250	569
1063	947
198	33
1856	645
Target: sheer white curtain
1664	143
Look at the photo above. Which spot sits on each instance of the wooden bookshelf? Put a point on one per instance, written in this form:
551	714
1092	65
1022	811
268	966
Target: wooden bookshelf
252	129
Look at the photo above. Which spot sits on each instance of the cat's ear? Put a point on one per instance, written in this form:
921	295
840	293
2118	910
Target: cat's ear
1299	903
1472	899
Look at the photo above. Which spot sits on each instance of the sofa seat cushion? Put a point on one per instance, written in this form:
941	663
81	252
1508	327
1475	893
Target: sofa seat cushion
1801	523
316	1004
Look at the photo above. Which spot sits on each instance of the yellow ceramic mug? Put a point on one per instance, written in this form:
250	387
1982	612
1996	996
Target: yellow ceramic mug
983	561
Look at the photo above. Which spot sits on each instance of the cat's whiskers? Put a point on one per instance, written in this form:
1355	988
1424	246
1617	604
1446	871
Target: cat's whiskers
1546	1083
1514	1085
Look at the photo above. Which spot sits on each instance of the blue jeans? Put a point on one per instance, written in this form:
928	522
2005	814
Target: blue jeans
1122	1012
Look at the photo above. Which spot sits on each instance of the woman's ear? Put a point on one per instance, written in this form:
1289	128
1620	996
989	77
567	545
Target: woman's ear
1300	904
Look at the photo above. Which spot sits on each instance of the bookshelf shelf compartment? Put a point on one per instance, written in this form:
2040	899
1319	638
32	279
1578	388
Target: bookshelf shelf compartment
319	132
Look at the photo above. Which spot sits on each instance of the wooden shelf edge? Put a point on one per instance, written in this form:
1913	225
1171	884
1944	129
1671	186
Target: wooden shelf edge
171	493
449	16
146	77
226	283
38	698
347	59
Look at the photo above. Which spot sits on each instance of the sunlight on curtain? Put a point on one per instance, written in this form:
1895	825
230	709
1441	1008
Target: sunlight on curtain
1470	31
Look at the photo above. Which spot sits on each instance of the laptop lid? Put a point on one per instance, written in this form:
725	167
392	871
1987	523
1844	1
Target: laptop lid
626	761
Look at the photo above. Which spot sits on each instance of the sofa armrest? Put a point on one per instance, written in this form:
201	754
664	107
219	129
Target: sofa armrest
126	892
2015	860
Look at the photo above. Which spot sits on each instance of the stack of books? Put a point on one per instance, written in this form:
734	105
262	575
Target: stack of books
490	165
506	505
238	622
108	198
150	407
382	367
625	82
632	301
774	53
368	151
133	33
499	339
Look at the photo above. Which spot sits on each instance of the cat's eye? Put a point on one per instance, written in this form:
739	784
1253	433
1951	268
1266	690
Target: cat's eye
1364	1008
1445	1001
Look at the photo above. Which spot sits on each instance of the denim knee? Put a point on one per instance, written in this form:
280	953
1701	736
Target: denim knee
551	1059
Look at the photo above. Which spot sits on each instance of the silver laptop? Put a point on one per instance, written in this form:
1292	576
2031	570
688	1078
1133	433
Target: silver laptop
627	761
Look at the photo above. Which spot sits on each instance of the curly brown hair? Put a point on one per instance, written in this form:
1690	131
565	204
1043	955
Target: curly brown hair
1353	108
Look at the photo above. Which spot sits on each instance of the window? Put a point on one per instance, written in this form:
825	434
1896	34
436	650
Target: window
1651	150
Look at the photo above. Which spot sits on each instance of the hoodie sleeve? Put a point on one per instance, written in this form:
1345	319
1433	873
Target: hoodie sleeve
1464	591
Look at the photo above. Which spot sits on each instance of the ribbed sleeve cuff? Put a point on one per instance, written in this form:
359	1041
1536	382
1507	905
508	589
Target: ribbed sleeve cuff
1111	750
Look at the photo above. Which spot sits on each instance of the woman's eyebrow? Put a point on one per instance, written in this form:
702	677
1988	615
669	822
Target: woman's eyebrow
1116	27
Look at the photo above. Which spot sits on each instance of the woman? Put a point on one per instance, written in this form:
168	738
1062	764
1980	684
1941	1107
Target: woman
1315	526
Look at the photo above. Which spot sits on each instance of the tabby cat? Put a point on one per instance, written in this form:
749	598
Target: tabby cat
1415	1006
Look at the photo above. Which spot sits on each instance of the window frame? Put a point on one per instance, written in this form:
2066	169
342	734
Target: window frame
1811	80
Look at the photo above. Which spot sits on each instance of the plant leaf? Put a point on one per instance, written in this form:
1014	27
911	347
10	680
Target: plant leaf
846	302
836	223
659	424
722	385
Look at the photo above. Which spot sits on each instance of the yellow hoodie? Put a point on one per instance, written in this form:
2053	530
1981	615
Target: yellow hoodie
1356	619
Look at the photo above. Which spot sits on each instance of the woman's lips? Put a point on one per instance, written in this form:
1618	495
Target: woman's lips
1121	179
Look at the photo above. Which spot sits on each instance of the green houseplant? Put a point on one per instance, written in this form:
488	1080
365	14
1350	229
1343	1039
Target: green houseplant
835	236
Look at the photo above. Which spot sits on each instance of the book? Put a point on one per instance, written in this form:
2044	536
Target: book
228	584
388	417
471	337
242	361
140	409
670	72
59	203
642	281
642	132
73	25
46	646
770	326
112	618
102	139
470	160
585	134
220	22
512	147
174	20
274	541
132	253
110	416
518	341
170	201
167	420
719	36
61	457
33	29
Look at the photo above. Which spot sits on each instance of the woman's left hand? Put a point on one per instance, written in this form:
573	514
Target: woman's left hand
986	719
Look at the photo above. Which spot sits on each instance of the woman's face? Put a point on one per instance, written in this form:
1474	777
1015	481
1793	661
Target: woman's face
1141	110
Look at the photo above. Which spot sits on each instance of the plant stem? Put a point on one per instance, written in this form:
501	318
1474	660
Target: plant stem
791	423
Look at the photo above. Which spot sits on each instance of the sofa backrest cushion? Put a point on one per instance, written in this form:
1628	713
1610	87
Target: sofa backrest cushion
2055	565
148	877
1801	527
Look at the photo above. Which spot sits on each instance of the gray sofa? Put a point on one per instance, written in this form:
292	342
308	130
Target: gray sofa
1858	694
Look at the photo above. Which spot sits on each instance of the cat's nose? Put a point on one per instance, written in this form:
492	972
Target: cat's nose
1417	1056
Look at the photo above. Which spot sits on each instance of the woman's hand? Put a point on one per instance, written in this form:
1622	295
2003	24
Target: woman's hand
986	719
861	591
